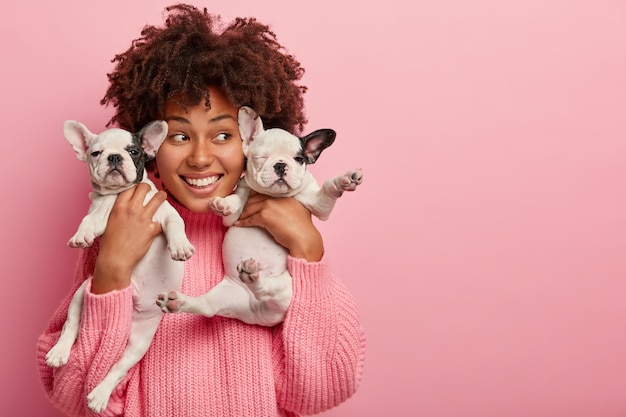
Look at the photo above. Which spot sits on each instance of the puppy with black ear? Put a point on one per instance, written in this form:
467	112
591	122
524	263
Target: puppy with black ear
257	286
116	160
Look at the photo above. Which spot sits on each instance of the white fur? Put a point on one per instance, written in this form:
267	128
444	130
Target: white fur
257	287
159	270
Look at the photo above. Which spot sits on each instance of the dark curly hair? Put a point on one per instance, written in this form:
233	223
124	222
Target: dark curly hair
192	51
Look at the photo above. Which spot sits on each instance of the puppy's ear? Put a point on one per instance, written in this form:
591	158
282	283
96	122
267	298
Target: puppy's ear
250	125
314	143
79	137
152	136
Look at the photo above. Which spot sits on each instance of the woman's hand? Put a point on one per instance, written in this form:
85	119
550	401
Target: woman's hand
288	221
129	233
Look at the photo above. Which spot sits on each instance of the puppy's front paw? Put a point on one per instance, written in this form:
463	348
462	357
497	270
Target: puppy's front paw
248	271
180	248
350	180
170	302
346	182
220	206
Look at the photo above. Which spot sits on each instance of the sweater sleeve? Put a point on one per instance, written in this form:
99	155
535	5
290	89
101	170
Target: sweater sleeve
104	328
319	349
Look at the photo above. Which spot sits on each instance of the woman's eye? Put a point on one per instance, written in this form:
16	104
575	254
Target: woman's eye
179	137
221	137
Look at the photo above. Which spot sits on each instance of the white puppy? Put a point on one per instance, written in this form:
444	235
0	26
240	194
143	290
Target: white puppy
257	286
116	161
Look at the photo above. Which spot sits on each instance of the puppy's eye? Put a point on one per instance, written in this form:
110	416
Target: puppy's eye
95	153
299	159
133	152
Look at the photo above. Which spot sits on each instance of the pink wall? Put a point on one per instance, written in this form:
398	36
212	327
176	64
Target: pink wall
486	246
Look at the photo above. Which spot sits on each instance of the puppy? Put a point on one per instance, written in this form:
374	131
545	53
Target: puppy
257	286
116	161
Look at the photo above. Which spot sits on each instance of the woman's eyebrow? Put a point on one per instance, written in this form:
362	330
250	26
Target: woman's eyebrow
186	121
177	119
222	117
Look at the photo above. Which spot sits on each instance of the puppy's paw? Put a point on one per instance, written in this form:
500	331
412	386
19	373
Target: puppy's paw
180	248
82	239
58	355
220	206
346	182
170	302
248	271
350	180
98	398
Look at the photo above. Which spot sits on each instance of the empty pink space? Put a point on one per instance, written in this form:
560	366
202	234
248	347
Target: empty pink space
486	244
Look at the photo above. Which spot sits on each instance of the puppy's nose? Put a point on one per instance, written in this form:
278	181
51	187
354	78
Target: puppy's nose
115	159
279	168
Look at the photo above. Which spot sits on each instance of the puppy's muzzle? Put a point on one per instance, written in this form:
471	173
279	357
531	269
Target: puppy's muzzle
115	159
280	168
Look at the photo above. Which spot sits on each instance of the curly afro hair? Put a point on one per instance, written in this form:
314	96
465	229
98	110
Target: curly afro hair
194	50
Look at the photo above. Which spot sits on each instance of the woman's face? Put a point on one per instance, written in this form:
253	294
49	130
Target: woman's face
202	155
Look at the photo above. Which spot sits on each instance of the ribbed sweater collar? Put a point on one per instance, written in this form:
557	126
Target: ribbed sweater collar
196	222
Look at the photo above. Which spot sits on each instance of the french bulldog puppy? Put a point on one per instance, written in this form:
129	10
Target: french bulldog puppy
257	286
116	161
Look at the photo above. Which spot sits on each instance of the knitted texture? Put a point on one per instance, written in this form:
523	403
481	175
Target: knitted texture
199	366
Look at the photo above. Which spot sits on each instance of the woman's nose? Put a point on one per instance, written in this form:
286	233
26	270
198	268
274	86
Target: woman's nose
201	154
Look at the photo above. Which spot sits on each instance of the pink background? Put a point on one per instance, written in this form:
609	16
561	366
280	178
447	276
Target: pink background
486	245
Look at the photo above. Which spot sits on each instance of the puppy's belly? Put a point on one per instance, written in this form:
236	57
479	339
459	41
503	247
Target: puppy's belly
242	243
156	273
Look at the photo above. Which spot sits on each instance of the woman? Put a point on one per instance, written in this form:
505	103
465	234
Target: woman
195	75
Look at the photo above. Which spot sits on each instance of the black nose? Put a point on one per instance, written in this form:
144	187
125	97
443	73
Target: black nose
279	168
115	158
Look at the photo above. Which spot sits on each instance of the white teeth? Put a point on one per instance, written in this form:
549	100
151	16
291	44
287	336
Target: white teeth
201	182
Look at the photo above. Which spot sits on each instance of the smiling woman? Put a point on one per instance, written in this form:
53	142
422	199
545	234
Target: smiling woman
485	249
201	157
196	78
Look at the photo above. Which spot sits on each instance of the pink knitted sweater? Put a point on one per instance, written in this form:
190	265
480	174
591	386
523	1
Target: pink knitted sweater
201	367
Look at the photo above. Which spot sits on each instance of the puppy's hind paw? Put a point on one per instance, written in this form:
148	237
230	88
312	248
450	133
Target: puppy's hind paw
169	302
248	271
82	240
98	398
57	356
